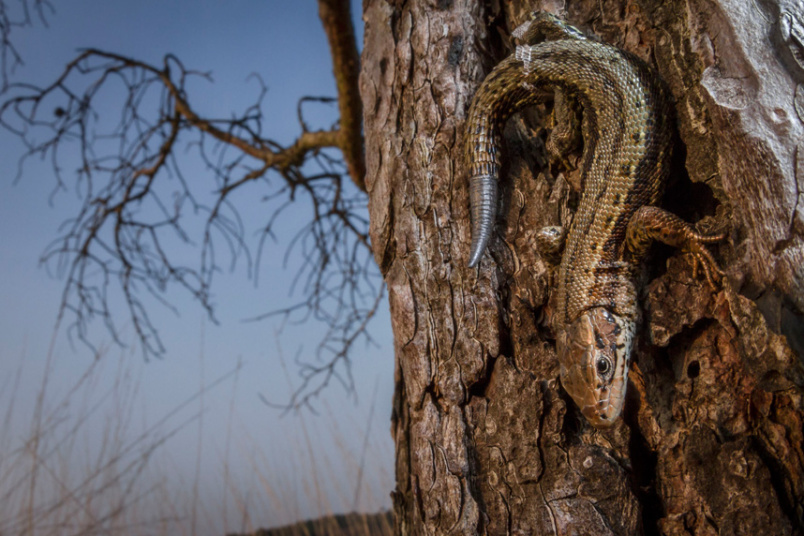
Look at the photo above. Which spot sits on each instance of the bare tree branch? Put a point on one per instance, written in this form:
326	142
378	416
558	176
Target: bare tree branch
337	19
140	213
17	15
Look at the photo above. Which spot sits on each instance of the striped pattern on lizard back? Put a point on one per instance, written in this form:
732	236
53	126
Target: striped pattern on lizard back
626	132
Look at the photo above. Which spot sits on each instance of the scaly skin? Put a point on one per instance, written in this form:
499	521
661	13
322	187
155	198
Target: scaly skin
627	133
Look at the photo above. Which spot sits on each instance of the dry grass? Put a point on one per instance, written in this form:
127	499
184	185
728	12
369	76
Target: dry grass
337	525
87	465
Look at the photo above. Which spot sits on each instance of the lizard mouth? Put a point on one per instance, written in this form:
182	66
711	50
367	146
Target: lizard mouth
594	354
603	405
603	413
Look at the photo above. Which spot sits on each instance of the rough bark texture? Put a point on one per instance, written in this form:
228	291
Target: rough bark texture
487	442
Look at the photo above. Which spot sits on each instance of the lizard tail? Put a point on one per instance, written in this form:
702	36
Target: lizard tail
483	201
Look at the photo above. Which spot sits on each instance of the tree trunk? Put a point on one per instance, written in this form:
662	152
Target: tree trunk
487	442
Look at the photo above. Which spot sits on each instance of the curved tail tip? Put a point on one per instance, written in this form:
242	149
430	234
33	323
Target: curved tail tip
478	248
483	202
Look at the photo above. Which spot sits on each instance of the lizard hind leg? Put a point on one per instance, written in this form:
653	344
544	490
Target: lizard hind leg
550	241
653	223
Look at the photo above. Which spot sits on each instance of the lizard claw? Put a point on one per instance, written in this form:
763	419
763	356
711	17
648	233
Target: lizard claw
702	257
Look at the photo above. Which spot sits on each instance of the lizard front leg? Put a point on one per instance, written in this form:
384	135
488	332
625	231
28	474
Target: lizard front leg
653	223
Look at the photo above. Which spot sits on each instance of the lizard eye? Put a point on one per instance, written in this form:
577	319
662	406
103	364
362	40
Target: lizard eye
603	366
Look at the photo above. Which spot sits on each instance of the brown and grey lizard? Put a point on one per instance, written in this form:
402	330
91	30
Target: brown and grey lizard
627	130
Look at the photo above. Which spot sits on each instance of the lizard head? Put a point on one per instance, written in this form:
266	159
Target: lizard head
594	353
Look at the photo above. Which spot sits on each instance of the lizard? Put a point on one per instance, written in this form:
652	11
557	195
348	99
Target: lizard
627	128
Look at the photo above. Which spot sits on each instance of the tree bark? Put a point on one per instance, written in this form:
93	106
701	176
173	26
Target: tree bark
487	442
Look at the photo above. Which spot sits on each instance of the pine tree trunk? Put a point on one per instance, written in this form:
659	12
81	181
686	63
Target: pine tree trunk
487	442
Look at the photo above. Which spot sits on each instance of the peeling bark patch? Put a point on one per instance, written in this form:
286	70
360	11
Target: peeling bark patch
780	441
730	475
790	34
798	102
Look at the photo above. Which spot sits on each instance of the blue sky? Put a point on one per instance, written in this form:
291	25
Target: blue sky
284	43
